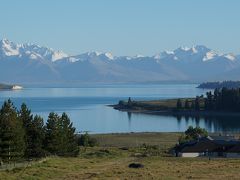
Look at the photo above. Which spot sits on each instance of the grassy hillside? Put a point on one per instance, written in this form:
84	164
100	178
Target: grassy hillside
110	161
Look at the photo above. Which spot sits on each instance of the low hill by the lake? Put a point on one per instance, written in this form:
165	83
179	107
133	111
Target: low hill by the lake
219	85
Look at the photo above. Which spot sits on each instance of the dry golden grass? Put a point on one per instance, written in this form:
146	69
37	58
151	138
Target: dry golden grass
112	163
170	103
137	139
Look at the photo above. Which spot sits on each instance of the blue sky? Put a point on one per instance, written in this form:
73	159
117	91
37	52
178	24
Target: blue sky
123	27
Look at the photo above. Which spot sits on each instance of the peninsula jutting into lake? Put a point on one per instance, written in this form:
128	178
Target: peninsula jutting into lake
223	102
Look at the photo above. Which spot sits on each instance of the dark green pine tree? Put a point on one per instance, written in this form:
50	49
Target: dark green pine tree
197	104
60	136
179	104
129	102
69	144
34	132
209	101
12	144
26	117
37	136
187	104
53	134
192	105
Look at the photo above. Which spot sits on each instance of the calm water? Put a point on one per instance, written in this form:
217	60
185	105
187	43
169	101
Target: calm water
87	108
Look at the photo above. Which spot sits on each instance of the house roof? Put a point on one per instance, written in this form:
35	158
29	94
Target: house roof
234	149
223	138
208	144
200	146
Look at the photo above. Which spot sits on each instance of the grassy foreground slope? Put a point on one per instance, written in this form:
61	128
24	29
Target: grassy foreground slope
110	161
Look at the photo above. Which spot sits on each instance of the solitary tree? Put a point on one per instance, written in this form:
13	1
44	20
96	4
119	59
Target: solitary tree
129	102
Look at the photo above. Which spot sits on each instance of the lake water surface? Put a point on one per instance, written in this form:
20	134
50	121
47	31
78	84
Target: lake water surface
87	108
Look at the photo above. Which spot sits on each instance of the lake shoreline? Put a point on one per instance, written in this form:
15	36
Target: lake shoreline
174	112
10	87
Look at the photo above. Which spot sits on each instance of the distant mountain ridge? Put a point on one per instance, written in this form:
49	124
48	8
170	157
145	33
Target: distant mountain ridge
220	85
30	63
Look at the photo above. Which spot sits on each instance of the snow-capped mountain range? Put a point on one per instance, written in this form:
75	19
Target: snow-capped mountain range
30	63
31	51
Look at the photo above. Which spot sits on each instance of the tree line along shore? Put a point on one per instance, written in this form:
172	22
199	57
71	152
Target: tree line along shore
222	101
219	85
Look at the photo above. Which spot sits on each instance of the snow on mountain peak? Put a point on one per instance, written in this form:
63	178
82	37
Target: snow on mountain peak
169	52
163	54
184	48
8	48
94	53
209	55
58	55
230	57
138	56
196	53
157	56
194	50
33	51
109	55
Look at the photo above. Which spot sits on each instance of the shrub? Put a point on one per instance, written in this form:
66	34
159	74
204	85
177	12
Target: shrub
85	140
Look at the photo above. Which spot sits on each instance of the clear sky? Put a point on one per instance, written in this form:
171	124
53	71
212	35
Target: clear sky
123	27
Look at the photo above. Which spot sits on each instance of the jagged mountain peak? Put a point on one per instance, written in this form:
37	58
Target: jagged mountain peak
33	51
198	53
194	49
8	48
107	55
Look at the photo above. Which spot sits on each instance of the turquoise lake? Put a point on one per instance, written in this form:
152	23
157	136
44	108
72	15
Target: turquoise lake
87	107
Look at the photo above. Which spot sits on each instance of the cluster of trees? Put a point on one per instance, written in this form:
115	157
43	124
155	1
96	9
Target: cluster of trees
220	85
23	135
220	100
223	100
189	104
193	134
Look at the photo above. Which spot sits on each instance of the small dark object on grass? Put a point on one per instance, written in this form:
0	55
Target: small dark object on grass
124	148
135	165
105	151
